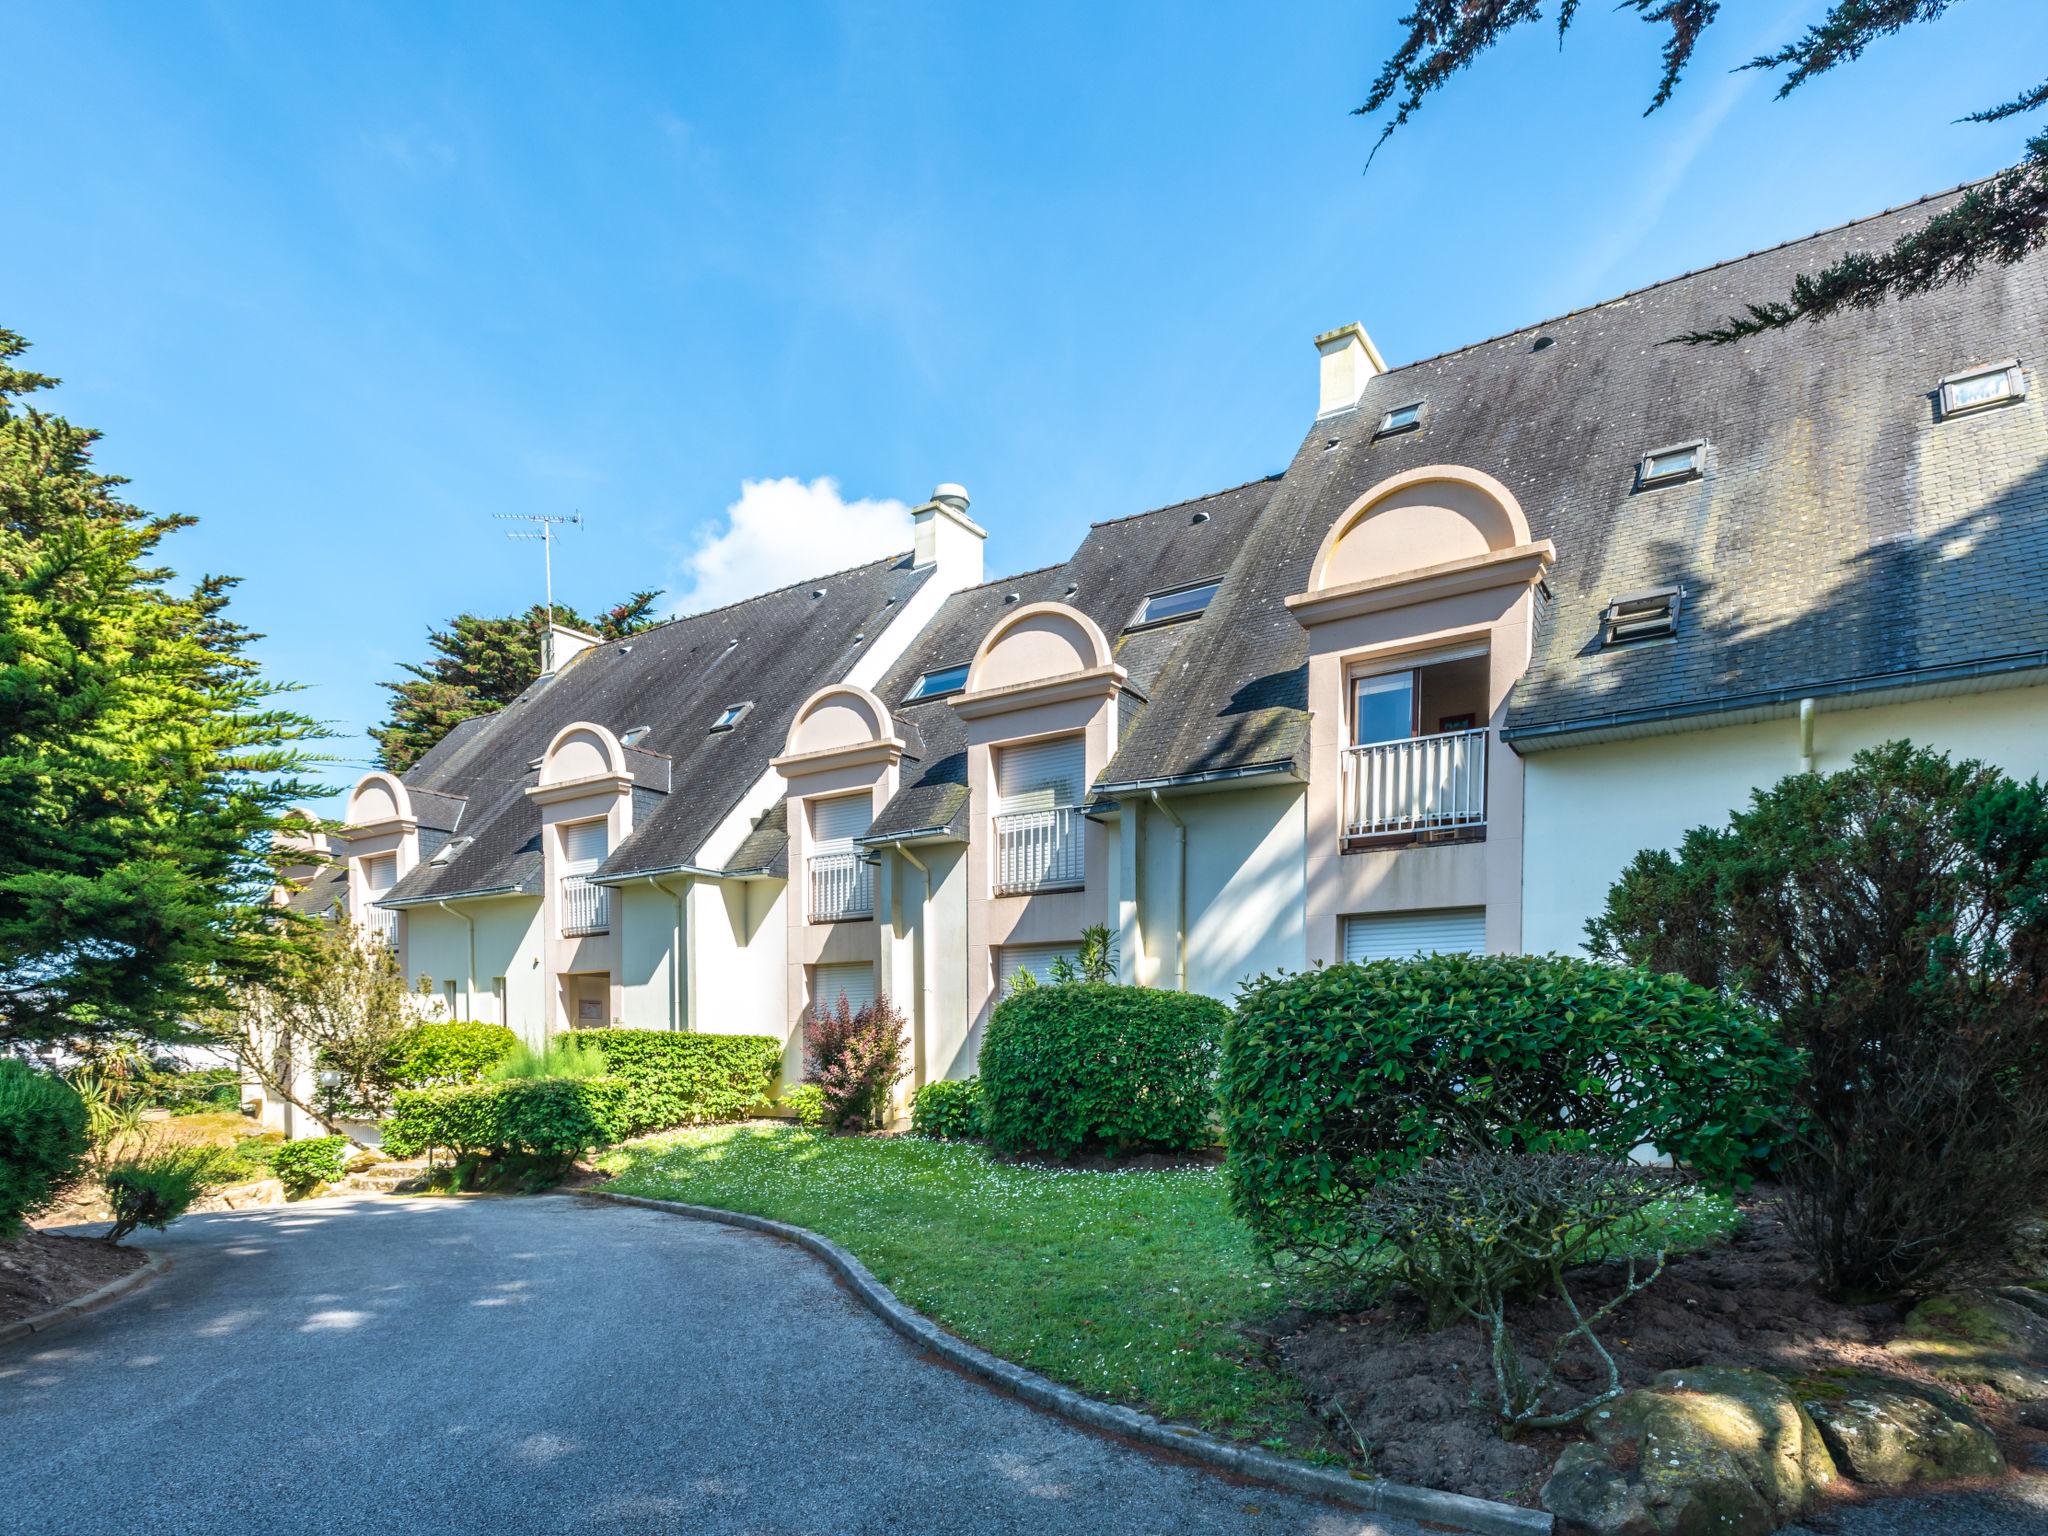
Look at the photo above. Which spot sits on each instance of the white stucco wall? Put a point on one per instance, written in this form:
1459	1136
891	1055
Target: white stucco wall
738	949
1589	810
507	944
647	947
1244	888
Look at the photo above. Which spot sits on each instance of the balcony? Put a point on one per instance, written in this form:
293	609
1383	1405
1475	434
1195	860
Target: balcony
1425	786
1040	851
586	908
842	887
381	923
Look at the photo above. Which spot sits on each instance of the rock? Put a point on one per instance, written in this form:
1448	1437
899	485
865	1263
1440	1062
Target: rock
241	1197
1888	1433
1982	1338
1707	1452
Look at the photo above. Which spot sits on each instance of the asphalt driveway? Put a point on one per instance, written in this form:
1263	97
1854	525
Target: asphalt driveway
546	1365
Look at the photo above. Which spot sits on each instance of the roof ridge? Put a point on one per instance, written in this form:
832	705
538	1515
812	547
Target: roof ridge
741	602
1679	277
1171	506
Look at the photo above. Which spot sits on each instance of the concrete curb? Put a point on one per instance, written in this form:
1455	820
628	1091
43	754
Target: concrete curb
1374	1494
154	1264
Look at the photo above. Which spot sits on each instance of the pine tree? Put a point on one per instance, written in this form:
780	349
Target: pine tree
1999	221
144	763
482	665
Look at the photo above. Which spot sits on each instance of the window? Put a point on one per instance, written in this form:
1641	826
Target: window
1981	388
842	880
635	736
1402	418
1180	603
1040	838
1405	935
731	716
448	999
586	908
937	681
1384	708
1035	958
829	983
498	1014
1641	616
1666	466
448	851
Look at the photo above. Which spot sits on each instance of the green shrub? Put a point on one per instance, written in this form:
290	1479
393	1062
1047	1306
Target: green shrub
429	1055
43	1141
1338	1079
563	1056
1086	1066
541	1123
154	1188
303	1166
670	1078
201	1092
855	1057
948	1110
806	1105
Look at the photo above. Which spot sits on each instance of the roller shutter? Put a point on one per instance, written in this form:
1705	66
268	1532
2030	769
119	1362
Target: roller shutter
856	982
1041	775
584	845
1035	958
1404	935
836	823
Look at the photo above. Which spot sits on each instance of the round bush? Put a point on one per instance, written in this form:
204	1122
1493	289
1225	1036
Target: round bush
1340	1078
303	1166
948	1109
1089	1066
43	1141
428	1055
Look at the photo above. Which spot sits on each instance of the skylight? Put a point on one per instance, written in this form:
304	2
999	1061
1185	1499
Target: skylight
1180	603
635	736
1981	388
1641	616
1663	466
731	716
1402	418
937	681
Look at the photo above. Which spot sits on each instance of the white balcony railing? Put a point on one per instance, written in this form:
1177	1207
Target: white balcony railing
381	923
842	886
1424	784
1040	851
586	908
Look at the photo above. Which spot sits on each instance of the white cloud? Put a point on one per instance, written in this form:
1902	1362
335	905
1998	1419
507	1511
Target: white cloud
782	531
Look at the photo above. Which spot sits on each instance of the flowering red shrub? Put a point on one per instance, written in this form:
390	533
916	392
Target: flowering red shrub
855	1058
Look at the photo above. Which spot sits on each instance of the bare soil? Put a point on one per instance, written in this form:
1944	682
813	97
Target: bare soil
1403	1398
41	1270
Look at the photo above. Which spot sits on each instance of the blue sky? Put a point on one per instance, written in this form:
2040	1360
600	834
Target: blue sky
345	280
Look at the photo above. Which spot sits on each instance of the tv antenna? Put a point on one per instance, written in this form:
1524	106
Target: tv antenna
546	523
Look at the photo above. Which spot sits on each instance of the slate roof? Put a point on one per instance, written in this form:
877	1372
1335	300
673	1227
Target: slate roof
325	888
1841	534
773	650
1117	565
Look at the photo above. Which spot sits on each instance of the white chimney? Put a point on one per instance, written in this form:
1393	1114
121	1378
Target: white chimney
1349	361
562	645
947	537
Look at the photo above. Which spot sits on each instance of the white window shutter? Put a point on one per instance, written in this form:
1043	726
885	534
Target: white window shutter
836	823
584	846
829	982
1041	775
1035	958
380	873
1405	935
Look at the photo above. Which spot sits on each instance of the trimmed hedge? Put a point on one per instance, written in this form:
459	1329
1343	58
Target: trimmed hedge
427	1055
541	1117
948	1109
673	1078
1338	1079
303	1166
1091	1066
43	1140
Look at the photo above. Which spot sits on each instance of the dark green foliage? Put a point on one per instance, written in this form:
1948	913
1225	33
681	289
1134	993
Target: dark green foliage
143	765
155	1188
550	1120
481	665
429	1055
2000	221
673	1078
948	1109
43	1141
1893	920
201	1092
303	1166
1088	1067
1338	1079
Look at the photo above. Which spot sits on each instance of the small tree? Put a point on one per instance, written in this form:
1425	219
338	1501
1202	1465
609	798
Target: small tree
855	1057
1893	919
339	1002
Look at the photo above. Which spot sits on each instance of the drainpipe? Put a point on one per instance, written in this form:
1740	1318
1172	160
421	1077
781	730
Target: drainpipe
469	984
1180	893
918	1068
678	1013
1807	710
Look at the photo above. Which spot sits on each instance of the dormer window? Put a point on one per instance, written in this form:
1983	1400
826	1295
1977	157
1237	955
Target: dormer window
1176	603
937	681
1981	388
1641	616
1667	466
731	716
1402	418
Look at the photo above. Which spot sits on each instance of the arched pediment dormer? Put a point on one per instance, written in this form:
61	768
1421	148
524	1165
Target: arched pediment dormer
377	799
1037	643
835	717
1420	519
582	750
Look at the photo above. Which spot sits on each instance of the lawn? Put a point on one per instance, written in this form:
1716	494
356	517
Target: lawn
1127	1285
